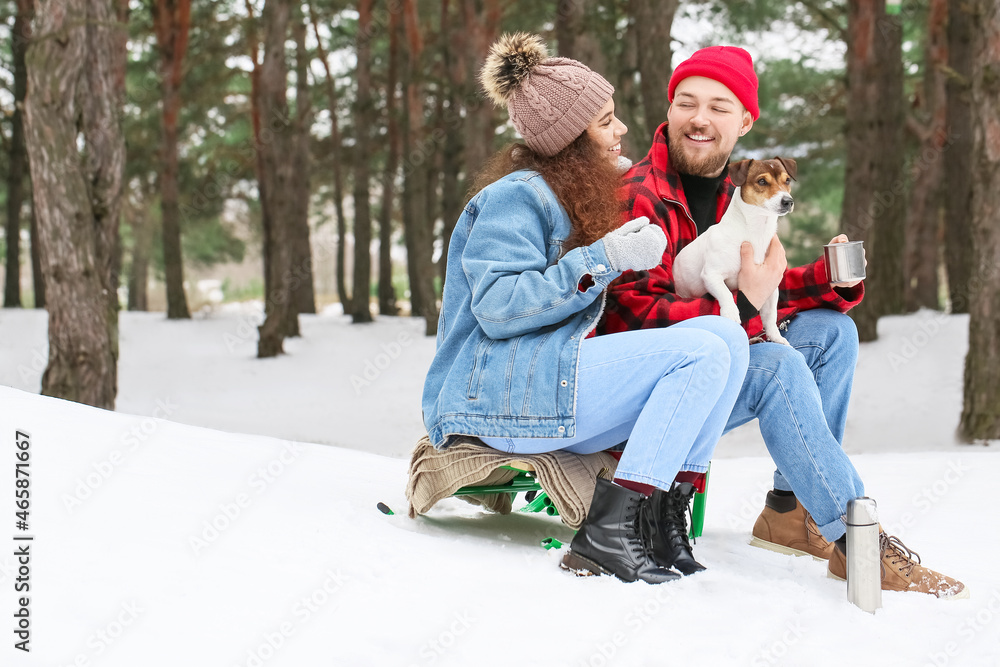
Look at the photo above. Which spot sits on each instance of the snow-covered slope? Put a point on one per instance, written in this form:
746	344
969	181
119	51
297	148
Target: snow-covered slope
159	543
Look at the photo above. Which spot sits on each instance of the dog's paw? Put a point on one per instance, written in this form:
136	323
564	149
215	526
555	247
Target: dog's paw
729	310
775	337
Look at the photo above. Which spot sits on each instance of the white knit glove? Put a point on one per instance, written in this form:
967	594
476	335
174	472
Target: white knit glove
635	246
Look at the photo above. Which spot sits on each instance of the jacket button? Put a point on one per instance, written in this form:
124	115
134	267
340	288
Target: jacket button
564	383
562	429
602	268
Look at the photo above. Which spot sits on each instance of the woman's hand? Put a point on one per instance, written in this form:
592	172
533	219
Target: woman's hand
635	246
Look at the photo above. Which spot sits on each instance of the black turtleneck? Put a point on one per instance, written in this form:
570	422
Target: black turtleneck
702	197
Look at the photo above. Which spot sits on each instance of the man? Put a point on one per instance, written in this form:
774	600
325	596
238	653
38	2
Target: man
798	393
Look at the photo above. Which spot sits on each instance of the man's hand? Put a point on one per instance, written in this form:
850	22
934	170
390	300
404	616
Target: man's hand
842	238
758	281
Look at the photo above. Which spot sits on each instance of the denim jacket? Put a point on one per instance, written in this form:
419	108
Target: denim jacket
514	313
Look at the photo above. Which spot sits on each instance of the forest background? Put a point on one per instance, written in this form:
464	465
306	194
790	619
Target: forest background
173	154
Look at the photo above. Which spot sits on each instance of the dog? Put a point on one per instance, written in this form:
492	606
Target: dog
711	263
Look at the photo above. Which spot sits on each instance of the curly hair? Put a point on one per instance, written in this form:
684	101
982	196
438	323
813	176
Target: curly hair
581	176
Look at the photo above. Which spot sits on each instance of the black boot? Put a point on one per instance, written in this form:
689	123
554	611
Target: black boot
666	519
613	538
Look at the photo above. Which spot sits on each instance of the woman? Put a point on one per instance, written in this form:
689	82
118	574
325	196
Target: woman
528	264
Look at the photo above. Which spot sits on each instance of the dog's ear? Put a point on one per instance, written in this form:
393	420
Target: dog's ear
738	172
789	165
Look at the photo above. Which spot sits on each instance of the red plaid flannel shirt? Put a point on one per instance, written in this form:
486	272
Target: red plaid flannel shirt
646	299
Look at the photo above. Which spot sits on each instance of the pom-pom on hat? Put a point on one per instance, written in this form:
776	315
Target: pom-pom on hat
729	65
551	101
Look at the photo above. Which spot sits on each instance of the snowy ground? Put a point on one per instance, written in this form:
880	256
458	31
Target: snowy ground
230	533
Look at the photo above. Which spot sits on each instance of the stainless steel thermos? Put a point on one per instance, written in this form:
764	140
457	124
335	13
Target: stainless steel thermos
864	562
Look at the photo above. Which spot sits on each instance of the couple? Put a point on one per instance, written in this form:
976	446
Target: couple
560	329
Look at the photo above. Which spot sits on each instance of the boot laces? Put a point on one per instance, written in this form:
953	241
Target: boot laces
676	513
637	535
814	529
897	552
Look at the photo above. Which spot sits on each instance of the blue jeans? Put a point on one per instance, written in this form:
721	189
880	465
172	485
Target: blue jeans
667	391
799	396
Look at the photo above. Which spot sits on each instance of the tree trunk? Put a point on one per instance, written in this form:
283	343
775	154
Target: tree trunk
172	21
874	185
18	166
337	159
37	279
922	255
419	149
257	125
957	165
76	79
142	250
628	95
581	18
361	301
452	192
981	408
276	148
574	38
432	172
412	165
568	24
138	290
386	290
452	48
481	30
412	193
303	292
653	21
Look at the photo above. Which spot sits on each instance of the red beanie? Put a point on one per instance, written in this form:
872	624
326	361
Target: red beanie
729	65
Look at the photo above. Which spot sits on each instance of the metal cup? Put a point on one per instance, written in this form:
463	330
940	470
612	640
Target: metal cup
845	262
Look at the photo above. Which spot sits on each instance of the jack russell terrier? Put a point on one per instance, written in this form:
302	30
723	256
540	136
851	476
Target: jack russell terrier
711	263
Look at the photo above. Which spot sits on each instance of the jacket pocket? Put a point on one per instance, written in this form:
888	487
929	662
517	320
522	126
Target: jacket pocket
479	367
530	374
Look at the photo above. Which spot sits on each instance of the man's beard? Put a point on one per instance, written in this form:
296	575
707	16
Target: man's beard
710	165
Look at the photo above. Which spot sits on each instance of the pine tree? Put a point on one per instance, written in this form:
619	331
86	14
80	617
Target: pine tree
76	89
981	408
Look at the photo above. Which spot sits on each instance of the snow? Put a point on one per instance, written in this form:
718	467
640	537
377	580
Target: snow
225	516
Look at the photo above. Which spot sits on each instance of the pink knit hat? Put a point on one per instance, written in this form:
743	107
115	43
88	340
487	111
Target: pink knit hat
729	65
551	101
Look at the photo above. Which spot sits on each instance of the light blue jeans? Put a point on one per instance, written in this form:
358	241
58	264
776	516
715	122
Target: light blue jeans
799	396
669	392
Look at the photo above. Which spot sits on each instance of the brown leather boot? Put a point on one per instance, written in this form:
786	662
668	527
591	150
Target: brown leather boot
902	571
786	527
